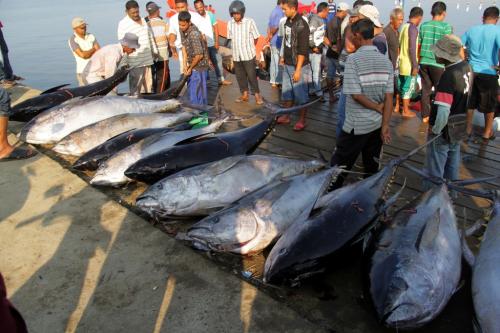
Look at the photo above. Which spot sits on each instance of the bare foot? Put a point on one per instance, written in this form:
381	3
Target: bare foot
6	151
425	120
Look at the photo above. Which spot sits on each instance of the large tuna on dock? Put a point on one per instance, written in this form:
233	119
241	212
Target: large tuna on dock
89	137
27	110
111	172
486	276
54	124
254	222
416	265
210	187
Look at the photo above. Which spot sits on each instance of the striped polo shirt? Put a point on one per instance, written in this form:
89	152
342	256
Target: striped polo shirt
160	32
369	73
242	35
430	33
143	55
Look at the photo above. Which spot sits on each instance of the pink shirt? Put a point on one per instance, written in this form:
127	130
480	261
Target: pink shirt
104	61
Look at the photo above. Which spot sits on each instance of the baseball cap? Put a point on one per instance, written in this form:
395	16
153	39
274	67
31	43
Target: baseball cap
342	6
130	40
371	12
77	21
152	7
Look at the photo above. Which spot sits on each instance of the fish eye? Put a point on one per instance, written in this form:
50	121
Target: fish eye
216	219
282	251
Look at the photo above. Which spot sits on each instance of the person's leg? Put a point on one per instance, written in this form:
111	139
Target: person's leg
135	80
212	52
452	167
203	87
79	79
147	86
426	92
437	155
287	95
488	86
330	78
408	86
435	74
347	150
340	114
9	74
252	79
316	73
276	69
181	60
241	77
5	147
301	93
371	152
193	87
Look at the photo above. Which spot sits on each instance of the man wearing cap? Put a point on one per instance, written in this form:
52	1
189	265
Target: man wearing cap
140	77
159	28
104	63
430	70
317	30
380	40
333	41
449	109
83	46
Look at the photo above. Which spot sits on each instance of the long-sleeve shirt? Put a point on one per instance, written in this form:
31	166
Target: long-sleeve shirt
143	56
408	44
104	61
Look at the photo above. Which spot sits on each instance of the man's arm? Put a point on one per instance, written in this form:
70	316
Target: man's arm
216	35
386	118
78	51
367	103
349	45
412	36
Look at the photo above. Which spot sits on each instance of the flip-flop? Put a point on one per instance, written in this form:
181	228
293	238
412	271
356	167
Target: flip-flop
19	154
299	126
283	120
259	102
491	138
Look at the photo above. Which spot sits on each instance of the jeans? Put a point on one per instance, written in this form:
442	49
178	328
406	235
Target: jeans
294	91
332	65
340	114
197	87
216	60
276	70
442	160
245	74
4	103
315	60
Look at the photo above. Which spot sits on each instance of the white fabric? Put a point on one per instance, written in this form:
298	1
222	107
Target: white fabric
196	19
85	44
207	29
104	61
143	55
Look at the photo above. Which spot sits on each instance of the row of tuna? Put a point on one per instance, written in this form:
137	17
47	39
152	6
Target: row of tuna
250	202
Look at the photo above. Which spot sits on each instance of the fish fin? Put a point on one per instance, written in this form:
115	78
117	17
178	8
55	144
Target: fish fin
428	234
476	327
470	231
54	89
222	166
467	253
461	284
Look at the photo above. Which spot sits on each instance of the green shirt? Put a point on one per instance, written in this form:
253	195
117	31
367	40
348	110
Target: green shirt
430	33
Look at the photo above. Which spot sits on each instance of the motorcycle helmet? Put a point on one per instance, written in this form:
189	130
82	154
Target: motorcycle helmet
237	7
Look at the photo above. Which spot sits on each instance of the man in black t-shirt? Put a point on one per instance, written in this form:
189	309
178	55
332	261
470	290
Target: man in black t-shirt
449	109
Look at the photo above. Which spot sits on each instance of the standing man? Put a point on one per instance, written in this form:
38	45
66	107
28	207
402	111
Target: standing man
212	41
105	61
368	85
83	46
159	29
174	34
332	9
294	56
317	29
430	70
379	40
195	55
483	44
7	151
391	32
275	40
408	59
452	92
140	76
243	33
7	77
333	41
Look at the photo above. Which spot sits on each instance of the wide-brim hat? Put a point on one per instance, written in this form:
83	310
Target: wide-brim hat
449	47
130	40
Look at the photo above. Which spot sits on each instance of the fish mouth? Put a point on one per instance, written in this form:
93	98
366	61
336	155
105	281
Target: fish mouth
403	316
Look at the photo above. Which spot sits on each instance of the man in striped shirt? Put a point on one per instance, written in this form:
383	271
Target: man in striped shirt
159	28
369	87
140	77
430	70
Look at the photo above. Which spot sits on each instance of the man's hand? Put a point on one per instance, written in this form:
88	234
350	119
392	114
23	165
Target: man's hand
188	71
380	108
414	72
297	75
175	55
386	135
216	46
282	61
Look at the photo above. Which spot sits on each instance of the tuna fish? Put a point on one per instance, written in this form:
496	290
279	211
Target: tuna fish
417	262
210	187
172	160
253	223
111	172
30	108
92	159
89	137
54	124
486	276
345	215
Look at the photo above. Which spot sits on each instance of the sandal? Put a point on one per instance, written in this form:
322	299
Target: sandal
283	120
241	99
491	138
299	126
19	154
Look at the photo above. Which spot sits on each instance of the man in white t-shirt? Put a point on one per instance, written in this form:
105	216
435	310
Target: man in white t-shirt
174	33
140	75
83	46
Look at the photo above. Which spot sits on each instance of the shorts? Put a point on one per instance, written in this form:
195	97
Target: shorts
484	93
407	86
294	91
4	103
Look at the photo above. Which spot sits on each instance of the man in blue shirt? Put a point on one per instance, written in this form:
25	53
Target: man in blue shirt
272	36
332	9
483	44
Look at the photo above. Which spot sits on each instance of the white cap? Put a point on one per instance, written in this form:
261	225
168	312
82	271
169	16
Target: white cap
343	6
371	13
